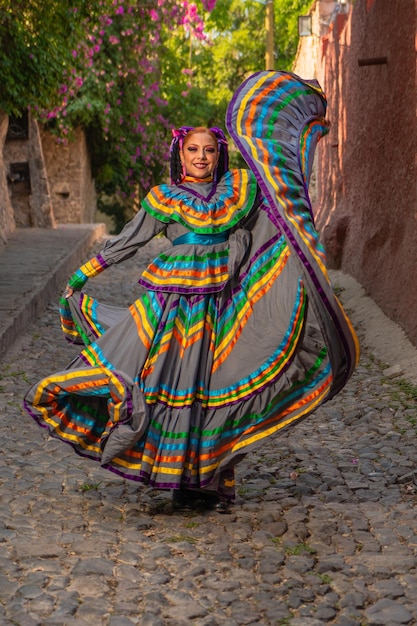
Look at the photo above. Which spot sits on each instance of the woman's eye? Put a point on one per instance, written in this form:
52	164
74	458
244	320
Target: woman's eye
191	149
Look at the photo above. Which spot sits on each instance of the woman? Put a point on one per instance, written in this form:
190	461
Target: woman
238	333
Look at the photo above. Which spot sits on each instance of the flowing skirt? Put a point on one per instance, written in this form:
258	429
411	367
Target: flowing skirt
176	389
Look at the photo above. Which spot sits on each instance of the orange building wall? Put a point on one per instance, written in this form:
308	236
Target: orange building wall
367	183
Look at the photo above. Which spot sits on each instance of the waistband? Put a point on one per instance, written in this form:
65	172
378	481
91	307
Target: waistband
201	240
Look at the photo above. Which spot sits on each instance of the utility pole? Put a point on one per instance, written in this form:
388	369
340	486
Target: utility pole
269	26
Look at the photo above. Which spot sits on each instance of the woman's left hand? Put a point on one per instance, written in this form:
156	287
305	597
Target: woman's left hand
68	292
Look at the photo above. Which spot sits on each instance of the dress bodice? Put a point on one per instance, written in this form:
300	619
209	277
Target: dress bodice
203	208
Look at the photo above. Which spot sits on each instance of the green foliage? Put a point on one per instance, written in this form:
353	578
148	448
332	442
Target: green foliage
128	70
36	40
199	77
299	549
286	29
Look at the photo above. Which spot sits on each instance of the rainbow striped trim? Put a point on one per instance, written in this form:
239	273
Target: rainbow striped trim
234	197
90	269
264	114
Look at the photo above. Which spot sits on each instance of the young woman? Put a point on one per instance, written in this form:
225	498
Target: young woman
238	333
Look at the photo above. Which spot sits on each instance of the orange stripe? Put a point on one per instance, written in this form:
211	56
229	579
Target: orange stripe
139	326
253	108
243	389
298	405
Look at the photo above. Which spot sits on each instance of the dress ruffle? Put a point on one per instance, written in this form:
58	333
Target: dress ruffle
222	206
276	120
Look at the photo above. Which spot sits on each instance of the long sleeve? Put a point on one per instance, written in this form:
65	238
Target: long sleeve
136	233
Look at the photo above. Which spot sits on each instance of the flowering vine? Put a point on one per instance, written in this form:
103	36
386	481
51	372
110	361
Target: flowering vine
113	90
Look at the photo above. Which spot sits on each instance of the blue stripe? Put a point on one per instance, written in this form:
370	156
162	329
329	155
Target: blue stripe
201	240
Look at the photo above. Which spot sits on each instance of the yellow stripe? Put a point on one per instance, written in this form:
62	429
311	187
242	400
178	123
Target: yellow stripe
59	377
156	279
232	332
144	319
266	278
121	390
243	106
88	309
274	429
76	439
126	464
161	468
209	468
199	218
67	331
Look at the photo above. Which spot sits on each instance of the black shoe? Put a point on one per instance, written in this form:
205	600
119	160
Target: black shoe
222	506
186	500
213	502
183	500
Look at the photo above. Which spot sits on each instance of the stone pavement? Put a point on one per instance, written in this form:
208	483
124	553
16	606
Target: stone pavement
323	531
33	266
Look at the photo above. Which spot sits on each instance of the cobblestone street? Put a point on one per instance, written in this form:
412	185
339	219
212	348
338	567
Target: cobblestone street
323	531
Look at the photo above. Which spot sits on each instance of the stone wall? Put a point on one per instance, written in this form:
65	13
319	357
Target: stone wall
43	182
28	182
7	223
71	184
367	192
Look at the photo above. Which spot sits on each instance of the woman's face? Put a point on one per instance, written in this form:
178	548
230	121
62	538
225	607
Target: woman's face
199	154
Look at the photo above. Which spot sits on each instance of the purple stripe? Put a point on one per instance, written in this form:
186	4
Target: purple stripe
84	359
102	261
53	434
199	195
161	299
183	290
238	288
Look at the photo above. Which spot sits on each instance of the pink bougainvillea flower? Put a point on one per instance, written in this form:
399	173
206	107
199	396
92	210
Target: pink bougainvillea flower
209	4
115	75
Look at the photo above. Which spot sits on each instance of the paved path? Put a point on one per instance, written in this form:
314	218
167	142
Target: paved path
33	266
323	532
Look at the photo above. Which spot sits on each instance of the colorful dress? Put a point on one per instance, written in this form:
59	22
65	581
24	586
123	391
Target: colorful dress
238	333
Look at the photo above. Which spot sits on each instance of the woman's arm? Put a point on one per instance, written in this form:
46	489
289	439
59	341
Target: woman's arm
136	233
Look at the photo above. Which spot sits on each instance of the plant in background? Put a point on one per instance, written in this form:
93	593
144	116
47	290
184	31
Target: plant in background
36	43
96	64
116	96
127	71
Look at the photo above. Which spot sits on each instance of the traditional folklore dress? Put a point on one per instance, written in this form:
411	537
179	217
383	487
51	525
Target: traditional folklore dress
238	333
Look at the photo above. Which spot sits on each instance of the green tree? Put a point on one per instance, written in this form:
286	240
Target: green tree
198	77
128	70
286	29
96	64
37	38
